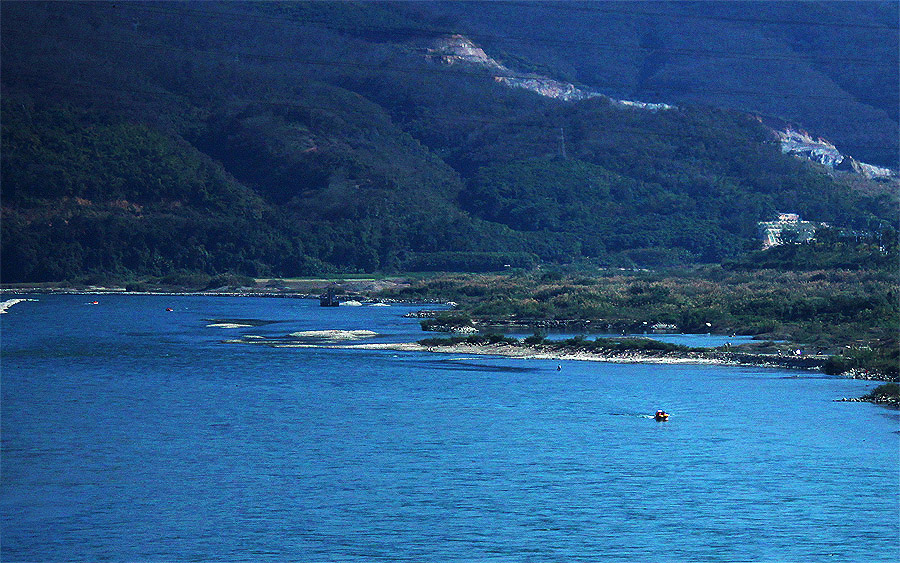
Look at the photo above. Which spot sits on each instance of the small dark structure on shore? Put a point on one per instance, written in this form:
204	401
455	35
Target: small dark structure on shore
329	299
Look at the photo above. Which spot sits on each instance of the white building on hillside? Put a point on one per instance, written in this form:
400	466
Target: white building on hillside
788	228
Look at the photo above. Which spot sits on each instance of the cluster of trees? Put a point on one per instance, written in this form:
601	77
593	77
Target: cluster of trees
883	358
825	309
831	249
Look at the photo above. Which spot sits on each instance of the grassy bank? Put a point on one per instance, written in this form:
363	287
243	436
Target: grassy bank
850	315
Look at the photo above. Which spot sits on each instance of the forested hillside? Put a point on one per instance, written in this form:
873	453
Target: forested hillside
830	66
280	139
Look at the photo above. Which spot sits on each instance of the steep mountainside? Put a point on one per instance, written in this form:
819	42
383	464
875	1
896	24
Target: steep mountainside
832	67
295	138
457	49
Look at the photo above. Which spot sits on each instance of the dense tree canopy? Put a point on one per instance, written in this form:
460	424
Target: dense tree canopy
285	139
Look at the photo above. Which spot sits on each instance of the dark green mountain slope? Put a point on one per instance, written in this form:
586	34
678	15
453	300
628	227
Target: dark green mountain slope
830	66
285	139
83	194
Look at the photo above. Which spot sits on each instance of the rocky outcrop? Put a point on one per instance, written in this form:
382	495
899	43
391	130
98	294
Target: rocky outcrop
457	49
870	171
547	87
457	329
422	314
875	399
802	144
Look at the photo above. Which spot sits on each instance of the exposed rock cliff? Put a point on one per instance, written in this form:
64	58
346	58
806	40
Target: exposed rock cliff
868	170
802	144
457	49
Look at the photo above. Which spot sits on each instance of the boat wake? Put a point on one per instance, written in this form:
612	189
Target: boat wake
633	415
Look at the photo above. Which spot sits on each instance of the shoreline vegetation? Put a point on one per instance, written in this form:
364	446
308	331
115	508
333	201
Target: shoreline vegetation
846	319
633	350
844	322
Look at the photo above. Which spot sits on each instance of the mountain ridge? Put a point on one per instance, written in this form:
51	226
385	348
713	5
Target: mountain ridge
459	49
826	66
289	139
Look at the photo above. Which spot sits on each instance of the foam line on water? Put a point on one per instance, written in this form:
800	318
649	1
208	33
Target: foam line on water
5	305
335	334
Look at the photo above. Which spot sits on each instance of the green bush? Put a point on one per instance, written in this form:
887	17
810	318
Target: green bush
230	280
500	339
885	390
447	319
535	339
880	360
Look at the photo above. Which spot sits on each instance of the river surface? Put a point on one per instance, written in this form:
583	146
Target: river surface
133	433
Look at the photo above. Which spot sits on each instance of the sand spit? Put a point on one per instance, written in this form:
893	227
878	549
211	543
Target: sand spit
710	357
228	325
335	334
540	352
536	353
624	357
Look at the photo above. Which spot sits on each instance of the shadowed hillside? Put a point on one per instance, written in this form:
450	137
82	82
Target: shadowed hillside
830	66
276	139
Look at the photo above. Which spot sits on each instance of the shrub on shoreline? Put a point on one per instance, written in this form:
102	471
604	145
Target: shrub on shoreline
888	392
575	343
472	339
878	359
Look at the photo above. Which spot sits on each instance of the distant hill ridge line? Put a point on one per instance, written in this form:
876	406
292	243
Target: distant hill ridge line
457	48
142	144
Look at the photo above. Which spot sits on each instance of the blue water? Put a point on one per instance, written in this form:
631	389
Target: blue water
130	433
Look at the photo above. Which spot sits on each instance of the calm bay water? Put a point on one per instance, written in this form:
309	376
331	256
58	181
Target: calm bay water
130	433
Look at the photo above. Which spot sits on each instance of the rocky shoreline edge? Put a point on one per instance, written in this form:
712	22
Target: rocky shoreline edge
885	400
542	352
537	353
551	352
887	395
